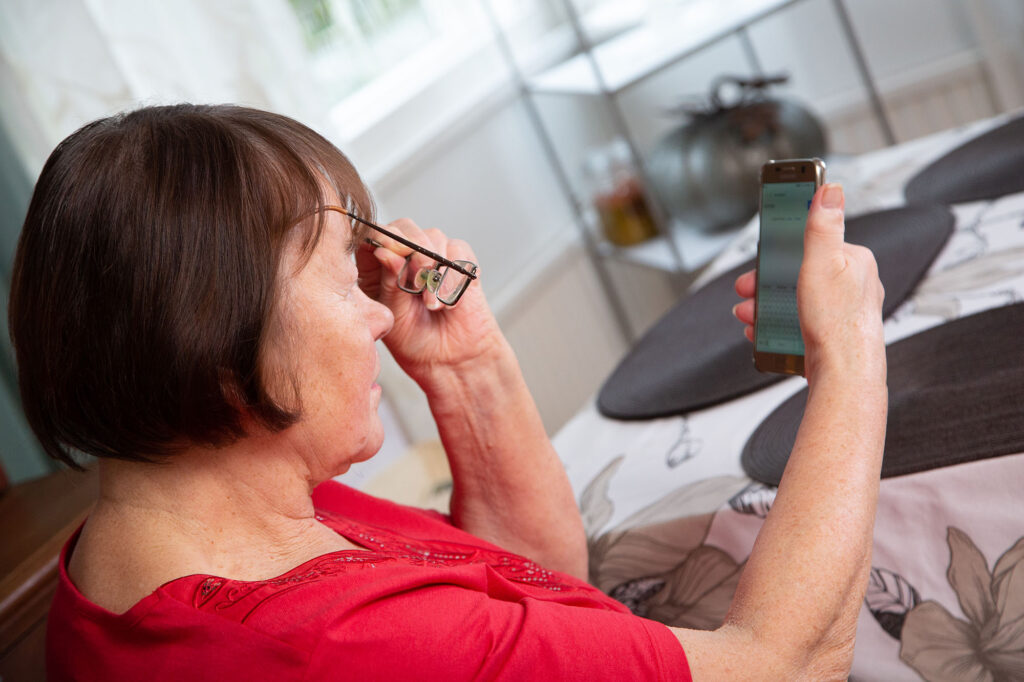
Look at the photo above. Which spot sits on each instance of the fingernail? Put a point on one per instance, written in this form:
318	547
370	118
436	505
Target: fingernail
734	308
833	196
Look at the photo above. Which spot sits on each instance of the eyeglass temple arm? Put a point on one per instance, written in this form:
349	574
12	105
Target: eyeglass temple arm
415	247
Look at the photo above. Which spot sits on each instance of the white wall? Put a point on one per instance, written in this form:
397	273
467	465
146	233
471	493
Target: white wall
492	181
998	27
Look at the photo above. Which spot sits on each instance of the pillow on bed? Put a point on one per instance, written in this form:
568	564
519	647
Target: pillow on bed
991	165
954	397
696	355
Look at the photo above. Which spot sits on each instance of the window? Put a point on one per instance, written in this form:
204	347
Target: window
394	70
352	42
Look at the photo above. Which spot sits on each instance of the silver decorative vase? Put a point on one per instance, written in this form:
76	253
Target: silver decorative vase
706	170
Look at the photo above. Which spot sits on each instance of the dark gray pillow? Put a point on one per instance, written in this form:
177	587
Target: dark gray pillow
696	355
991	165
954	396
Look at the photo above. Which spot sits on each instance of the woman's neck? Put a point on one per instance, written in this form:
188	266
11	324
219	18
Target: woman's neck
241	512
215	492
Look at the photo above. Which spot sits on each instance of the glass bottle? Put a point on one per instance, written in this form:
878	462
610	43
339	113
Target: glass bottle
618	196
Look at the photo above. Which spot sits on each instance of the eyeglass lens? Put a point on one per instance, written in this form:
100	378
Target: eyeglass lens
453	283
413	275
447	284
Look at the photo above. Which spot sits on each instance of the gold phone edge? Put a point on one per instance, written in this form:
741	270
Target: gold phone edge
776	362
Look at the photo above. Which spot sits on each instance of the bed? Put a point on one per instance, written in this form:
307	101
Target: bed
671	516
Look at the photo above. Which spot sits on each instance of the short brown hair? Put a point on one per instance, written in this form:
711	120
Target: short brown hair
145	275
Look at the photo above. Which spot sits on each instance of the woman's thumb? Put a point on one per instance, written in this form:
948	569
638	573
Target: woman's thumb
824	234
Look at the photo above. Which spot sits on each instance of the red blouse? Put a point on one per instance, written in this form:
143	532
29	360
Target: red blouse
424	601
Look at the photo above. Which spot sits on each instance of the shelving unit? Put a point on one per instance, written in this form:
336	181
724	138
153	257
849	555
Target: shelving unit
641	52
607	70
693	248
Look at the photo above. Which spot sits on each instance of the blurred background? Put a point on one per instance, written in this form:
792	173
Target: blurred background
575	144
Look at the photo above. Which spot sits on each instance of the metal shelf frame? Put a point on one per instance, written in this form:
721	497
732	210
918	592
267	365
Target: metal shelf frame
609	97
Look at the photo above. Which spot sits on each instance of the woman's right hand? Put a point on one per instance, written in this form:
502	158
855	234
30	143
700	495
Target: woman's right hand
839	296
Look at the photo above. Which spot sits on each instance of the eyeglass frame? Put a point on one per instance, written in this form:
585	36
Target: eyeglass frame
436	257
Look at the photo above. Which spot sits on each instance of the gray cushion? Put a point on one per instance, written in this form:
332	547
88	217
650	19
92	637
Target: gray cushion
991	165
696	355
954	396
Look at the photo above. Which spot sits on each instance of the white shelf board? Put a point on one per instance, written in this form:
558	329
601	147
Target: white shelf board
696	248
631	56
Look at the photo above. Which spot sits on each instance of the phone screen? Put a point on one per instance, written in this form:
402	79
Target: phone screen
784	207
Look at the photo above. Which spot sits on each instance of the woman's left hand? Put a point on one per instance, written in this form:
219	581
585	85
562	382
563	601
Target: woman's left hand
427	334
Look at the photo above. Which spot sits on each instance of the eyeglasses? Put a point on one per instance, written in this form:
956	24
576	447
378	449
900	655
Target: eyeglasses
447	280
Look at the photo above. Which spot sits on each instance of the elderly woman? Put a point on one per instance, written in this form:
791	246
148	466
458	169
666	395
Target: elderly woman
196	301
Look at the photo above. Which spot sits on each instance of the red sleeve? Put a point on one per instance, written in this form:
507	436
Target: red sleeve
444	632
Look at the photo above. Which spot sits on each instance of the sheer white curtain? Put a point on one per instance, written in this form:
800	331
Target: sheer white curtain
66	62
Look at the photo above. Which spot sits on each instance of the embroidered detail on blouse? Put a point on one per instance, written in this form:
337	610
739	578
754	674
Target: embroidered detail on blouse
382	547
440	553
205	590
262	590
526	571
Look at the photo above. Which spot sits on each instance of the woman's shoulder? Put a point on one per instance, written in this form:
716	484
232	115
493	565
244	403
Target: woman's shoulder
87	641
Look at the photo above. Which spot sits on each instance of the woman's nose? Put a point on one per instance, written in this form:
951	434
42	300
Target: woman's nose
381	318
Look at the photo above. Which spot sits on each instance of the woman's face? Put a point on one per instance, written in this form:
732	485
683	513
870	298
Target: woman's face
322	356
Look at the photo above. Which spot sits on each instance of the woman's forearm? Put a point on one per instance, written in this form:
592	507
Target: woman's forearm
806	578
509	486
798	599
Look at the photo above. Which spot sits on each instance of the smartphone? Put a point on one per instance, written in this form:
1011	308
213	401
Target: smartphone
787	188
